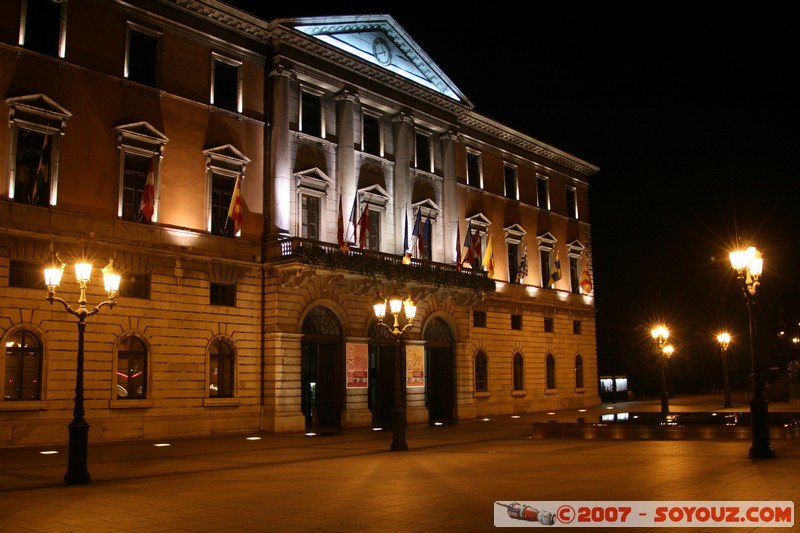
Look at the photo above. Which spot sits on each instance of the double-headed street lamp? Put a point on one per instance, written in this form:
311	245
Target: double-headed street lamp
77	472
724	340
396	306
749	265
660	335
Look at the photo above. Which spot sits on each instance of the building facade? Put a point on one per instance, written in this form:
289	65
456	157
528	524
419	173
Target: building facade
259	184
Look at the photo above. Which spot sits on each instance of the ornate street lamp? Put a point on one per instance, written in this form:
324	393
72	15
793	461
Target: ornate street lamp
748	265
407	306
724	340
77	473
660	335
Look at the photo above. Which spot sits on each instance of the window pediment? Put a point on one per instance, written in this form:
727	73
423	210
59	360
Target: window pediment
514	233
313	179
226	159
479	221
39	110
427	208
575	248
374	196
547	241
141	135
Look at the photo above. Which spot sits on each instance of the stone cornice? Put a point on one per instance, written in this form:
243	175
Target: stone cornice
224	15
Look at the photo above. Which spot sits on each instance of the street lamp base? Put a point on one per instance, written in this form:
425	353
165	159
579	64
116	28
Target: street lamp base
77	471
762	452
761	447
398	446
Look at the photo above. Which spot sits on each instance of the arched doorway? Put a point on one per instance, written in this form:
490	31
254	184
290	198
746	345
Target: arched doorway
382	352
439	367
321	370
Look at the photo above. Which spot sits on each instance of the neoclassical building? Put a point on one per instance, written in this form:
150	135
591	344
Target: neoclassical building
259	185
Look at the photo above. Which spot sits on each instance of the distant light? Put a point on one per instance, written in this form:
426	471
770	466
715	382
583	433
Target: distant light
162	444
438	423
486	419
581	410
48	452
551	413
610	407
253	438
377	429
514	416
311	434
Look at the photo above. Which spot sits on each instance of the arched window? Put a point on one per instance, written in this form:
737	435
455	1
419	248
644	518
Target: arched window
551	371
131	369
578	371
221	369
23	367
519	372
481	372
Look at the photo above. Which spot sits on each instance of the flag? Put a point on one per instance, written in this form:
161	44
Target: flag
235	209
556	275
39	195
363	228
351	222
340	226
488	258
458	247
469	257
475	244
586	281
405	236
417	228
148	201
522	271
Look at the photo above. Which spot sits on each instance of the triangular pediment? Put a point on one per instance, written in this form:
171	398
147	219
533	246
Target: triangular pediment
142	130
379	39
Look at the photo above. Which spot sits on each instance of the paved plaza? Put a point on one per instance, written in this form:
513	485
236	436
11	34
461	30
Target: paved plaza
447	481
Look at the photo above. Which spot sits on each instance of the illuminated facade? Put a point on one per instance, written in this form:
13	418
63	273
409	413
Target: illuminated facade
259	185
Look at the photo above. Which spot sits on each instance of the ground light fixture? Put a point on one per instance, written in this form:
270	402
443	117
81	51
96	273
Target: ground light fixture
660	335
397	305
77	471
724	340
748	265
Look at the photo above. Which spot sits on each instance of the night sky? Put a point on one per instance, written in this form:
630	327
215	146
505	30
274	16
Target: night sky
690	109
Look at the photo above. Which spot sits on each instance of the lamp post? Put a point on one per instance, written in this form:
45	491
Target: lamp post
407	306
748	265
724	340
77	473
660	335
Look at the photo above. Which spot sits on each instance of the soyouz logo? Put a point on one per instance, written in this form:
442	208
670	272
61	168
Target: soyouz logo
644	514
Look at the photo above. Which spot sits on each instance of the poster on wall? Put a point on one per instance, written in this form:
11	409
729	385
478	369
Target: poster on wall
357	366
415	366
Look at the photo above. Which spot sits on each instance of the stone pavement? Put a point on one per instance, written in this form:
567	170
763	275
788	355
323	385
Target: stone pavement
447	481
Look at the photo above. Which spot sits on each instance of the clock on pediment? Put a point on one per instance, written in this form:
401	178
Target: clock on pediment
381	51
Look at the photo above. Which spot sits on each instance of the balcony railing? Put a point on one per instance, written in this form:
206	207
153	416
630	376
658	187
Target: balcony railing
371	263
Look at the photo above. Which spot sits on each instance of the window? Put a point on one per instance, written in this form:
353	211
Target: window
513	262
548	324
32	184
226	86
511	186
572	203
223	294
578	372
141	147
544	260
309	226
481	372
135	286
225	170
311	114
576	327
222	189
479	319
374	235
574	275
474	175
43	27
221	369
371	134
135	174
542	193
516	322
25	274
23	367
423	231
423	152
518	372
550	370
141	59
131	369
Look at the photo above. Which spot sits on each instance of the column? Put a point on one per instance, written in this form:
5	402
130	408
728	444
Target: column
345	151
279	206
450	195
404	156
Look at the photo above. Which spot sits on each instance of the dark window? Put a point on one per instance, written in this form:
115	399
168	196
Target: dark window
226	85
132	369
548	325
26	275
374	236
544	257
32	175
576	327
23	367
473	169
223	294
519	372
423	144
572	203
481	372
310	214
134	179
574	275
142	54
372	135
513	261
516	322
311	115
510	174
135	286
550	366
479	319
221	378
543	195
221	192
43	26
578	372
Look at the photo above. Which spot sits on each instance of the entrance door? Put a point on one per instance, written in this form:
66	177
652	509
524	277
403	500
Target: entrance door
381	384
321	385
440	371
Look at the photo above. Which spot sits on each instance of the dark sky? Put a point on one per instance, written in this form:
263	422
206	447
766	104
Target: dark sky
690	109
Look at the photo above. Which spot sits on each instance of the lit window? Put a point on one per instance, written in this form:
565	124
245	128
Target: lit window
226	84
225	170
474	174
542	192
221	370
131	369
518	372
43	27
136	169
550	368
141	57
513	261
23	367
572	203
511	185
481	372
374	237
140	148
309	227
